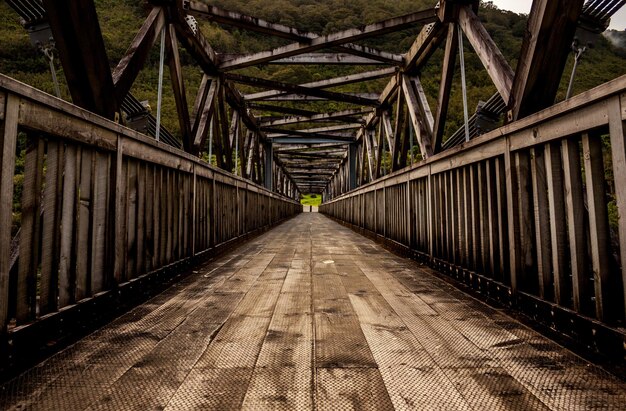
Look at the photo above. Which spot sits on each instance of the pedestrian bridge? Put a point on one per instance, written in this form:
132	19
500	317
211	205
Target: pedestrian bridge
484	269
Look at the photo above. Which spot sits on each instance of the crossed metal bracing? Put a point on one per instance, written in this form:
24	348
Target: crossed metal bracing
283	134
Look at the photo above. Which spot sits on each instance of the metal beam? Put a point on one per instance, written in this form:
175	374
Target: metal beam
445	86
76	30
551	28
332	40
338	115
130	65
293	88
316	130
307	140
258	25
332	82
316	58
498	68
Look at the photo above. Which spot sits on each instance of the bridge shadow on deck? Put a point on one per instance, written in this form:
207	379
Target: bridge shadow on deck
312	314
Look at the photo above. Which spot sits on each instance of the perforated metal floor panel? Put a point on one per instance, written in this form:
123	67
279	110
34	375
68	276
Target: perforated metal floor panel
313	316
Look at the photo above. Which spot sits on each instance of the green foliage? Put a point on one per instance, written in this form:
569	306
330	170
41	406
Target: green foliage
120	20
311	200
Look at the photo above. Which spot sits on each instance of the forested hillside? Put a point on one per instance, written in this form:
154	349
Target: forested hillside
120	20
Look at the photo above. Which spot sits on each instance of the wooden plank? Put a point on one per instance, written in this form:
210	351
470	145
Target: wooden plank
502	218
141	222
526	256
542	223
483	214
120	215
460	195
100	207
51	227
452	217
599	232
512	213
30	229
67	260
83	222
475	217
469	216
574	208
169	215
3	105
617	130
558	233
187	199
489	54
492	221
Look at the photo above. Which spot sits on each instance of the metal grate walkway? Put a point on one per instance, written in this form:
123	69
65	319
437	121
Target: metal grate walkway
312	315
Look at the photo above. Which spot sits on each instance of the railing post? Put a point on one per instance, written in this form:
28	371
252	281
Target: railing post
194	205
8	141
268	165
213	213
429	211
118	243
617	130
352	154
512	213
409	222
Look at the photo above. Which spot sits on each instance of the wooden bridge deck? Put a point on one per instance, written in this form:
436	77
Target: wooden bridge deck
313	316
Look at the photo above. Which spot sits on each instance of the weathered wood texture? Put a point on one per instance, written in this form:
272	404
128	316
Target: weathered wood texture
103	205
521	209
323	319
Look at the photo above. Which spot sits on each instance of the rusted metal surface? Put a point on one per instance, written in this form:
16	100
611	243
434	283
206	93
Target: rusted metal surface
312	315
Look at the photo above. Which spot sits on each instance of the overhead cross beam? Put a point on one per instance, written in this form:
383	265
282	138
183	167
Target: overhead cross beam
333	82
231	18
292	88
338	116
316	59
331	40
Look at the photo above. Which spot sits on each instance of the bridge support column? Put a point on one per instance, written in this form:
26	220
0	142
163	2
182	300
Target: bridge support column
269	165
352	166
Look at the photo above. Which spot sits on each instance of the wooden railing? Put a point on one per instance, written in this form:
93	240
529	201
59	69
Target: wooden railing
527	214
103	206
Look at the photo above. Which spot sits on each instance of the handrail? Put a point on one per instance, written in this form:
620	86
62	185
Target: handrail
117	206
527	214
